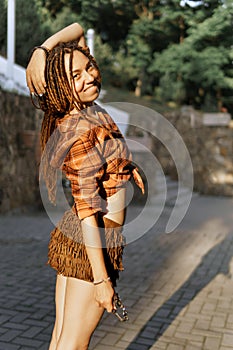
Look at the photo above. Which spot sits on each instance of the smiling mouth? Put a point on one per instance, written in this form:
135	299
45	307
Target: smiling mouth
90	87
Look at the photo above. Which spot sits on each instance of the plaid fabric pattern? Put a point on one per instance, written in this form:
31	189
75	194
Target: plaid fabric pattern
97	160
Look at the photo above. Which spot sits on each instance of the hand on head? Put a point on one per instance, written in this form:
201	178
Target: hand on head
35	72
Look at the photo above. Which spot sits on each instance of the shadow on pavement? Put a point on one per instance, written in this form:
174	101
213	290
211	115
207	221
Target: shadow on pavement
216	261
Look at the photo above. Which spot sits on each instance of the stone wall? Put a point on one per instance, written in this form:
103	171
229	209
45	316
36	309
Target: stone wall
19	153
210	148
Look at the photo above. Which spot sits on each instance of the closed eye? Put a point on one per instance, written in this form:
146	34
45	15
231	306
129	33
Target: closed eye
77	75
90	66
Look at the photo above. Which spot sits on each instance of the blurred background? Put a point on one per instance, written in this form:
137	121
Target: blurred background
172	56
172	51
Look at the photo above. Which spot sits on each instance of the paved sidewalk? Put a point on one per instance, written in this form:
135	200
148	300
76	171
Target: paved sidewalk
177	287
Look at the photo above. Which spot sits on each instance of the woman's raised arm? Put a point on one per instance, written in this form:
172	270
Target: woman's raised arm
72	32
36	67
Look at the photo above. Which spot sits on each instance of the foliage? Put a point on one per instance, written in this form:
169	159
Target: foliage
3	26
105	59
202	64
165	48
29	29
104	15
64	18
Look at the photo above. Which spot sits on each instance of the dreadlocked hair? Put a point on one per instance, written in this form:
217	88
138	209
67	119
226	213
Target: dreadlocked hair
59	98
58	101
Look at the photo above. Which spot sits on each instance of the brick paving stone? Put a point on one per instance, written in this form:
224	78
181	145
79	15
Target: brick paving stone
207	333
6	311
36	323
159	345
129	336
94	341
218	321
40	314
144	341
192	347
20	308
202	324
13	325
8	346
4	318
208	307
195	308
3	330
189	336
105	347
31	332
190	316
121	344
150	335
9	335
27	342
44	337
212	343
185	327
111	339
227	340
175	347
20	317
134	346
195	344
170	331
180	285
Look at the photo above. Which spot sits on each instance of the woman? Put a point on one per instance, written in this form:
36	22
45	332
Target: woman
86	247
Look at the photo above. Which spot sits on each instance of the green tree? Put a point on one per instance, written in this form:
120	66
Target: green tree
200	66
105	59
30	30
175	20
62	19
139	51
111	19
168	48
3	26
158	23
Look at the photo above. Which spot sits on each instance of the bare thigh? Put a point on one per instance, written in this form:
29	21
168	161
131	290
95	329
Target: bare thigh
81	315
60	303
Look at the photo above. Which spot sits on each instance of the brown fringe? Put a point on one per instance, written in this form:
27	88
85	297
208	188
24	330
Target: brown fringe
69	257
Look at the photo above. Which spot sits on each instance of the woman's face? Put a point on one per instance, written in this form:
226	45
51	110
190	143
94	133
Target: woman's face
84	76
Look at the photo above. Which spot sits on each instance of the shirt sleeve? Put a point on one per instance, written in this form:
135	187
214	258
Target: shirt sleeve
84	167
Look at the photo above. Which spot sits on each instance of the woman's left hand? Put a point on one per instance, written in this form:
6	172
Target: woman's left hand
35	73
104	293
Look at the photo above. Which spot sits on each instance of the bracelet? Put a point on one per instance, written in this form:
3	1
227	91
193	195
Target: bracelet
42	48
39	47
101	281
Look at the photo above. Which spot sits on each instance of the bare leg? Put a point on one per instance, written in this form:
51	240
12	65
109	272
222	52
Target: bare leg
81	315
60	302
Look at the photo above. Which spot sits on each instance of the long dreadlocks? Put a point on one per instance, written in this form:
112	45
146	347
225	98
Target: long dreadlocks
59	98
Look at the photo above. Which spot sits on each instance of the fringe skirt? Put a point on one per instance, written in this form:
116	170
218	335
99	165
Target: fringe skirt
67	252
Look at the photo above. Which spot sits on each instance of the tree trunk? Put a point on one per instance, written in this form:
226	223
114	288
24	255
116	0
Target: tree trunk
138	89
182	28
219	100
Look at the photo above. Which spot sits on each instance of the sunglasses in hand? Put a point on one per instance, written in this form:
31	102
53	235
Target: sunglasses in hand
119	309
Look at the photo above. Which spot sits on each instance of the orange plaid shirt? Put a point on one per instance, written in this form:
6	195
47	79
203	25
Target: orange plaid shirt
96	159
